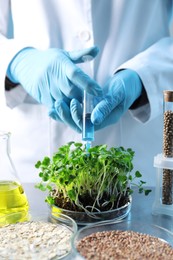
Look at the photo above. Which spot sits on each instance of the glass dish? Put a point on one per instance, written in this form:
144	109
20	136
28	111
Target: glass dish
47	237
141	227
83	218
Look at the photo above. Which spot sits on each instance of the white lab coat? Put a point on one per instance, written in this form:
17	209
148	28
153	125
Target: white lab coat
133	34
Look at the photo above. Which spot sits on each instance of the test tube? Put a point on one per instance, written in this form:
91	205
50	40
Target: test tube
88	127
167	186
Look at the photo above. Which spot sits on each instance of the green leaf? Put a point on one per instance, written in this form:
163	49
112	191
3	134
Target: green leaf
130	177
50	200
142	182
40	174
46	161
141	190
40	186
37	165
72	195
138	174
45	177
122	178
147	192
130	191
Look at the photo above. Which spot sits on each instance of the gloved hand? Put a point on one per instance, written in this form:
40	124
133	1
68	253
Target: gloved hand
52	78
120	92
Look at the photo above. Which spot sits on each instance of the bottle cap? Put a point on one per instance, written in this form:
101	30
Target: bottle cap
168	95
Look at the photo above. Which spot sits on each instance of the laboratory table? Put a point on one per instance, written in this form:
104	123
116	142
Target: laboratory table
141	210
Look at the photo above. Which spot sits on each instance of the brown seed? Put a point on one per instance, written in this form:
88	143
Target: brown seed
123	245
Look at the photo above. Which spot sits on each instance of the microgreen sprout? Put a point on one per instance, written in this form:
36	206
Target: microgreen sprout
98	173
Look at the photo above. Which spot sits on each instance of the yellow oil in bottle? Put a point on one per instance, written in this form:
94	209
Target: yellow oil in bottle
13	201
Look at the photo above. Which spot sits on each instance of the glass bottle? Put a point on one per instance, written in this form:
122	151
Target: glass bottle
167	185
13	200
163	203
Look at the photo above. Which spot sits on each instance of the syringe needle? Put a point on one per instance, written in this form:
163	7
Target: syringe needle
87	145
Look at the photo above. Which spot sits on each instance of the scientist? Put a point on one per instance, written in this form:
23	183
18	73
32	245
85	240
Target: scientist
43	46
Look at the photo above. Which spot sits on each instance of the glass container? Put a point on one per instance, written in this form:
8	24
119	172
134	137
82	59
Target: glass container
12	195
163	203
167	185
135	226
41	237
83	218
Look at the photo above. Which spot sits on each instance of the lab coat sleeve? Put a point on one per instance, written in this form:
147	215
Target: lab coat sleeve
8	49
155	68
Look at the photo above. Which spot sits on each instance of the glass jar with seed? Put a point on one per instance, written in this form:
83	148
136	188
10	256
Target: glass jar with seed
163	203
167	186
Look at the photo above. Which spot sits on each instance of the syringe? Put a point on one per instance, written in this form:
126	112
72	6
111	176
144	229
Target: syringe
88	127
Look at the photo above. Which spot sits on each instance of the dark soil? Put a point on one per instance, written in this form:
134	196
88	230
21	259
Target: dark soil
64	203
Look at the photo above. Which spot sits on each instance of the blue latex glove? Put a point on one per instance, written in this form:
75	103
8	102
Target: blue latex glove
119	94
52	78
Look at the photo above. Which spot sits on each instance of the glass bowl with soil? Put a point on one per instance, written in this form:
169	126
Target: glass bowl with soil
123	240
88	217
39	237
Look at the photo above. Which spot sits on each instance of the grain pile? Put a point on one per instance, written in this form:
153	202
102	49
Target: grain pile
111	245
34	240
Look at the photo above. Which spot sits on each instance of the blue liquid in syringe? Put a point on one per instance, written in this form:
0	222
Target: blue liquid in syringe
88	128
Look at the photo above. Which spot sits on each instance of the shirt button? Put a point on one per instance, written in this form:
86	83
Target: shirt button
85	35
